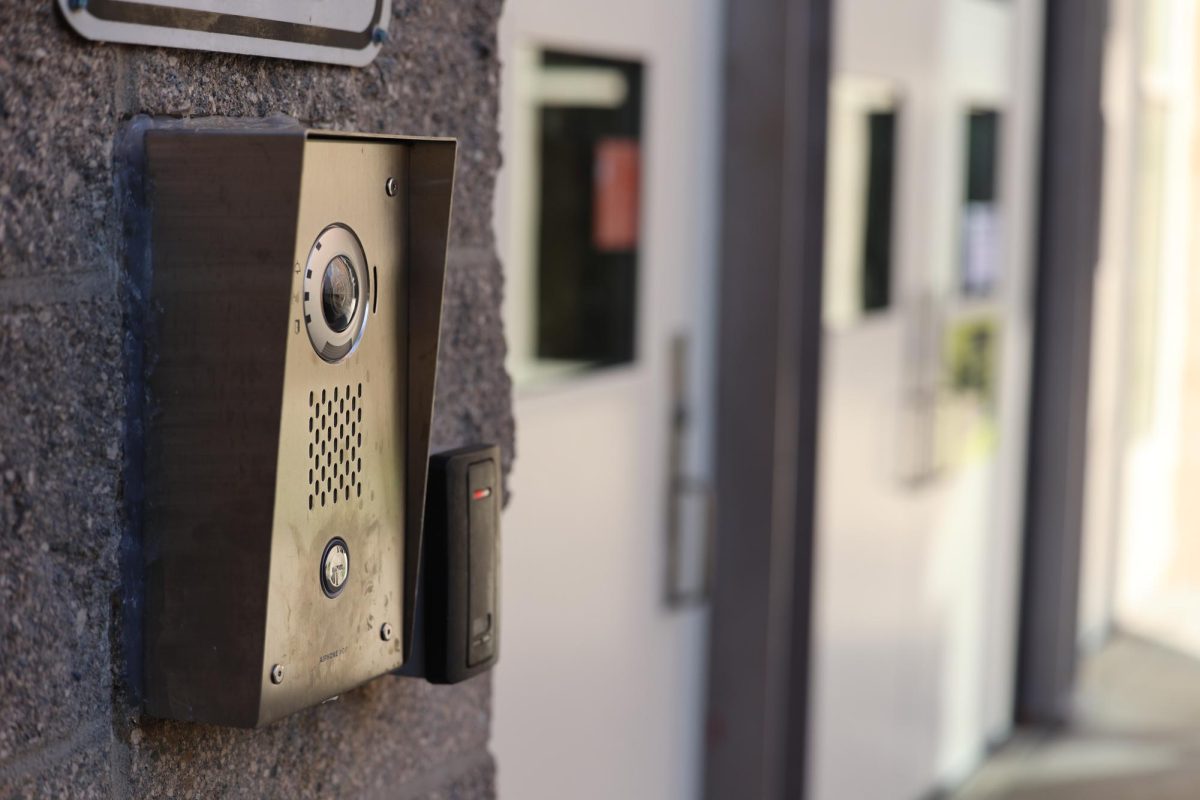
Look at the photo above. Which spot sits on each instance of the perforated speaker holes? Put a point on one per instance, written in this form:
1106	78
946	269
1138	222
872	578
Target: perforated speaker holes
335	445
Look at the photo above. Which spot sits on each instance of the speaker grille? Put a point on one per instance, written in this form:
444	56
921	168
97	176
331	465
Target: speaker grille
335	445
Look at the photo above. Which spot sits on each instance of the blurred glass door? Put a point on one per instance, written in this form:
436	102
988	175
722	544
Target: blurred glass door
1142	535
930	214
606	219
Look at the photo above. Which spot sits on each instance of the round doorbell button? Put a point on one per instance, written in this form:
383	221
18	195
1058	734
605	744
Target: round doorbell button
336	293
335	567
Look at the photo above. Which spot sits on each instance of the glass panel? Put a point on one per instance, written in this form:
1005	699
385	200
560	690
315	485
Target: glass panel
860	200
1148	243
584	203
981	258
877	232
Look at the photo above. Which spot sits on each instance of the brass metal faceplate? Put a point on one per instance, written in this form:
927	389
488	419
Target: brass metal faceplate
325	644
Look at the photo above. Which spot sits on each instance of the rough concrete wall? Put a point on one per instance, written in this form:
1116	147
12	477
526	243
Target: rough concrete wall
66	727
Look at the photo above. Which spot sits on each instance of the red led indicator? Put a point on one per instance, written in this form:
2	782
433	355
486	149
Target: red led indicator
481	494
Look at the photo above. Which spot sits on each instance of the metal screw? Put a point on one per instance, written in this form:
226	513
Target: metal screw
277	673
379	36
385	632
390	187
77	5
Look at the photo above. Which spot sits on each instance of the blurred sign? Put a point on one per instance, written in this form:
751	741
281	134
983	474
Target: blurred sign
615	194
348	32
981	257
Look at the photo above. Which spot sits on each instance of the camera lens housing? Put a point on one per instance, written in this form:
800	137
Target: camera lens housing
339	293
336	293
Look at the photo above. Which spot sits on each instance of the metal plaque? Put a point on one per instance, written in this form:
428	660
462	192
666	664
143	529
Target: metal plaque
348	32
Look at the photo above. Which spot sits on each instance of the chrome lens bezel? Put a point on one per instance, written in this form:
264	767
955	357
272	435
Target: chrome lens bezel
336	240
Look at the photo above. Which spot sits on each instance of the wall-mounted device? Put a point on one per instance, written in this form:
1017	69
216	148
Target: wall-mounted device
295	297
460	574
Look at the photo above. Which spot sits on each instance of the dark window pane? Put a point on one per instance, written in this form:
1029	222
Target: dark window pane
589	190
983	132
877	244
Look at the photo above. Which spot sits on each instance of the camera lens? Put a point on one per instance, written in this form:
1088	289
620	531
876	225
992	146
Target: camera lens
339	293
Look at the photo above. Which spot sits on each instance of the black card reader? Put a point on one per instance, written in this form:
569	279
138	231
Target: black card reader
462	538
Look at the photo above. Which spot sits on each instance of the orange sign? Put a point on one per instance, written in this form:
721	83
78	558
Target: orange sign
615	188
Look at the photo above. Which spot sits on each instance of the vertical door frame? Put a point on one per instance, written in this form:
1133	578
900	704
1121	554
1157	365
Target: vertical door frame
776	73
1067	255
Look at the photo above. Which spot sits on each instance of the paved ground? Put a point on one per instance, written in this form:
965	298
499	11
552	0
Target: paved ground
1136	736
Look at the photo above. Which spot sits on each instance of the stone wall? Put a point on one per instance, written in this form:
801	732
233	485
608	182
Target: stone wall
67	727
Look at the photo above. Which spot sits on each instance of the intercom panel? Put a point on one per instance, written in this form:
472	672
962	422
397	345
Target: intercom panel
295	297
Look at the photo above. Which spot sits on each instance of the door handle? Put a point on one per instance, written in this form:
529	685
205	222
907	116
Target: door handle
919	380
688	580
